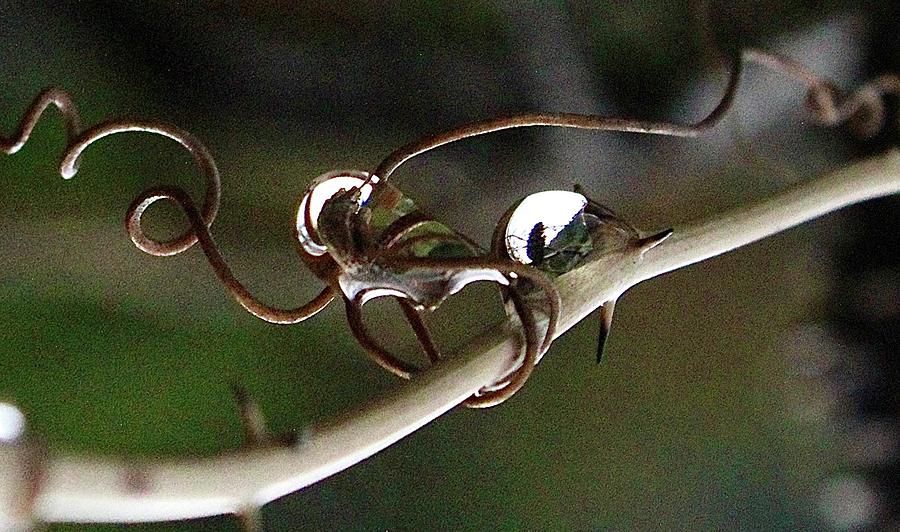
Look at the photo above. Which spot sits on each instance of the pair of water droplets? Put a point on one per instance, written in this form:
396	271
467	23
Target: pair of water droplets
546	229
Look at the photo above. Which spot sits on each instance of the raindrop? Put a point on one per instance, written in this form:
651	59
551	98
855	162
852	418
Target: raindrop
548	225
321	190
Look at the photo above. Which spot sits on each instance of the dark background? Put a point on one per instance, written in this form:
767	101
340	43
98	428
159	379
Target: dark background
736	394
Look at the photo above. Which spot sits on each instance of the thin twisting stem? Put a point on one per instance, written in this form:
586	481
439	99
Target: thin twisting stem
47	97
566	120
395	246
217	261
506	268
79	141
487	399
397	230
822	101
414	318
392	252
376	352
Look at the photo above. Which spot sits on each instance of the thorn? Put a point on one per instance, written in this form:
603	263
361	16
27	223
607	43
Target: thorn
649	242
255	431
251	519
606	316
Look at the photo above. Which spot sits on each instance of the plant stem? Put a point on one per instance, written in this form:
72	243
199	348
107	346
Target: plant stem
867	179
99	489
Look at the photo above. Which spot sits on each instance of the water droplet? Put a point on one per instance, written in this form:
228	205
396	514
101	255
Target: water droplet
321	190
551	220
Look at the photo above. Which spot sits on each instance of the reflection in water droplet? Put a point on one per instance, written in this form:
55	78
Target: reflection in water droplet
12	423
555	210
320	190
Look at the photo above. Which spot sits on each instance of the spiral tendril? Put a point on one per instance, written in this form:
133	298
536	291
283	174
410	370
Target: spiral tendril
864	109
52	96
200	220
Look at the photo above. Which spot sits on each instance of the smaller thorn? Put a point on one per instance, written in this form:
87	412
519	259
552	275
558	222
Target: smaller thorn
255	430
251	519
647	243
287	439
606	316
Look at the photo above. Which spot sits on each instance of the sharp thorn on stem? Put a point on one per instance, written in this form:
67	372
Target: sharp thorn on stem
649	242
251	519
606	316
256	432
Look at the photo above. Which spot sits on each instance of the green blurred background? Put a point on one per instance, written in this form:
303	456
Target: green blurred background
695	420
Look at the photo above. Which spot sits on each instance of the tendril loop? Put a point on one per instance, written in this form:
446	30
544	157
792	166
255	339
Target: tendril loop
200	220
864	109
204	161
200	232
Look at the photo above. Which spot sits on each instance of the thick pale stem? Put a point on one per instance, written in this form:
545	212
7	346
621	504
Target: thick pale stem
867	179
97	489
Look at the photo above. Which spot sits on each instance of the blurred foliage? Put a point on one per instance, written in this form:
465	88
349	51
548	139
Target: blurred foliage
685	425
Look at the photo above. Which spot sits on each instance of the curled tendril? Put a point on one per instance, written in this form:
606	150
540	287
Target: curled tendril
864	110
200	220
79	141
393	253
204	161
200	231
46	98
494	393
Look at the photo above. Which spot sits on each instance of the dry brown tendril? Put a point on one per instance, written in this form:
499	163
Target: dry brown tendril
79	141
382	263
864	108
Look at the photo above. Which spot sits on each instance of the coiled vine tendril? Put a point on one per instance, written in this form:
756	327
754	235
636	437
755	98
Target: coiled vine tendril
864	108
200	219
